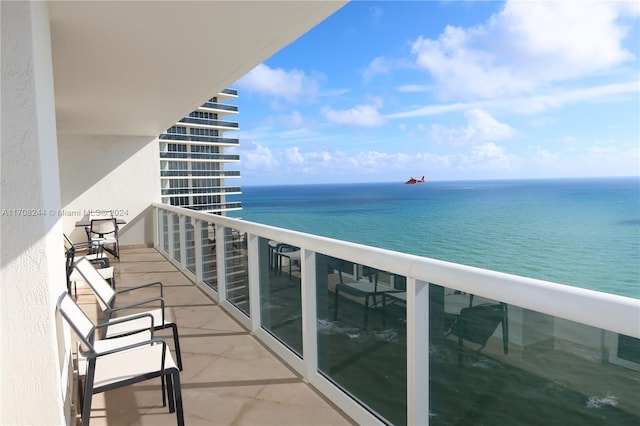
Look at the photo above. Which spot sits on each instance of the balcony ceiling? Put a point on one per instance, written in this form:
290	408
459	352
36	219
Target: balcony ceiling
136	68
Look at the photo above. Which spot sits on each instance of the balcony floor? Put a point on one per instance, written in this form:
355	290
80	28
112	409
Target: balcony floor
229	377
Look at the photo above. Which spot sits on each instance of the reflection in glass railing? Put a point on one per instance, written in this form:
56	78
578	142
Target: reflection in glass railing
362	348
190	246
209	266
280	292
496	364
164	220
236	269
175	220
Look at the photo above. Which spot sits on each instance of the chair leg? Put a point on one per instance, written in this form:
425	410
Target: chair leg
176	343
88	393
178	399
164	391
335	305
170	392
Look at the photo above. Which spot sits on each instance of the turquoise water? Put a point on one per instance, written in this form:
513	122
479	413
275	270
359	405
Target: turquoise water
581	232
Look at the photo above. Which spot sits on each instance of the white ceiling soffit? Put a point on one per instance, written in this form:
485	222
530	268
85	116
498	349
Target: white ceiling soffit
136	68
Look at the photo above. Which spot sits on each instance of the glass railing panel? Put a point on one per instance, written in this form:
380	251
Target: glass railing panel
208	241
492	363
236	269
362	346
164	219
280	295
176	236
190	245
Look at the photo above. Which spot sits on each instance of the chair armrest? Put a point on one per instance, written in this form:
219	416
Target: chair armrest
138	304
149	342
124	290
131	318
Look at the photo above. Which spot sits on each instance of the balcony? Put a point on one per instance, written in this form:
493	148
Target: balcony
200	156
220	107
231	125
194	138
552	354
228	376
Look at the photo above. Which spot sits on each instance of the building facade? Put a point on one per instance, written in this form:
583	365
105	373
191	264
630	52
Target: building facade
193	165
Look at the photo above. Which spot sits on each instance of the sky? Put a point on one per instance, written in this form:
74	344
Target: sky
382	91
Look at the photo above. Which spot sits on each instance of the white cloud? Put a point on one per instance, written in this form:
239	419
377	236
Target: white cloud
487	157
293	156
292	86
481	127
415	88
359	116
258	157
525	46
529	104
379	65
543	157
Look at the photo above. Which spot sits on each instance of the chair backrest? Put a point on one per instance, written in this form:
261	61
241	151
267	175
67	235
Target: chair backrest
478	323
70	253
104	226
103	291
67	241
77	319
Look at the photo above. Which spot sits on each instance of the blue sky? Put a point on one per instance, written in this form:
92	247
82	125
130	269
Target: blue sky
381	91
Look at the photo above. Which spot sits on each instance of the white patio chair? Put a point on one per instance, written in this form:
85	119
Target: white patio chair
163	317
110	365
104	233
71	255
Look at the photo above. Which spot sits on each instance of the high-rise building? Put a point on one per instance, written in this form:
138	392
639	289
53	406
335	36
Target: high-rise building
192	160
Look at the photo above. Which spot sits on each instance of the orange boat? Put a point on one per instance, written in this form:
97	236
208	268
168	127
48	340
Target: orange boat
413	181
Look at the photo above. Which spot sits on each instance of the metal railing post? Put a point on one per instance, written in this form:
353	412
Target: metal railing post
309	313
417	352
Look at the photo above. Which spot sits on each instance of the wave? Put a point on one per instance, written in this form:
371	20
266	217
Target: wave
602	401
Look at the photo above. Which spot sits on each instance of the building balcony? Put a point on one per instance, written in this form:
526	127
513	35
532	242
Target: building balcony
231	93
200	156
204	122
434	343
217	190
199	139
200	173
229	377
216	106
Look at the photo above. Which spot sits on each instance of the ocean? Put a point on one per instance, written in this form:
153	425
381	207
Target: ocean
580	232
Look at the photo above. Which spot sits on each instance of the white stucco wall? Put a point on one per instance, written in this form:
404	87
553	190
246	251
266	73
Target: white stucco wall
120	173
34	353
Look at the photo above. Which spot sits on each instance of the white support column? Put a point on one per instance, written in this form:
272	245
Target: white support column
417	352
254	281
309	313
35	346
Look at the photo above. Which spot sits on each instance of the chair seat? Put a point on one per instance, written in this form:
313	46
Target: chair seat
141	323
109	344
107	274
132	364
104	240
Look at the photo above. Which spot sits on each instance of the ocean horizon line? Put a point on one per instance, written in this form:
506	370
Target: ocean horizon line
525	179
